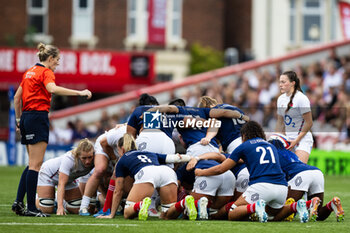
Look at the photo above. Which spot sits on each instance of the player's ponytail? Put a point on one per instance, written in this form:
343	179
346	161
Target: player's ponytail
45	51
127	142
207	102
292	76
84	145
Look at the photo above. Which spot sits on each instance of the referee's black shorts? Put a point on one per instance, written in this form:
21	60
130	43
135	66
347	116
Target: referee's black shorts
34	126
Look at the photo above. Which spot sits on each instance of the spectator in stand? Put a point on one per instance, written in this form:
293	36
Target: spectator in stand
81	131
332	81
123	116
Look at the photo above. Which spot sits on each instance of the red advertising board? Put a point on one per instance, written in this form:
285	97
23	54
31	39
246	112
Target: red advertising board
99	71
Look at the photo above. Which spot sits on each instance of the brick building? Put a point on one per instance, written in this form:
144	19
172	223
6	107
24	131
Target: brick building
122	25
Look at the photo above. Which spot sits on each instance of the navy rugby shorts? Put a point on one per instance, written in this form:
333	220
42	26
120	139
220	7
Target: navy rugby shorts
34	126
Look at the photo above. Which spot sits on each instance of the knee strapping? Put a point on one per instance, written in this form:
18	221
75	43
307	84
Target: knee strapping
213	211
165	207
47	202
128	204
74	204
93	201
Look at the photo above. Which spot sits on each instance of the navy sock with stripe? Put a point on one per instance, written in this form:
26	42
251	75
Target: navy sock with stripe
32	181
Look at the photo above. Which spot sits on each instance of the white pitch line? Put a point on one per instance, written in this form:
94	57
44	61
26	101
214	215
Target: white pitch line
69	224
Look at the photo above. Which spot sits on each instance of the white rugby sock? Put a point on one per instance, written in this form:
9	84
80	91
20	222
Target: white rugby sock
85	202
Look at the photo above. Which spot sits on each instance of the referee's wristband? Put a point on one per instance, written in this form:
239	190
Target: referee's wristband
17	121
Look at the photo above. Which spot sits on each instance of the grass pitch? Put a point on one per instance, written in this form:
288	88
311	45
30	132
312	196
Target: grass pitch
9	222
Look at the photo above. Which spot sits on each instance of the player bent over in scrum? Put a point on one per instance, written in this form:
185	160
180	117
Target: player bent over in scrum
105	158
62	172
217	189
267	185
305	178
148	174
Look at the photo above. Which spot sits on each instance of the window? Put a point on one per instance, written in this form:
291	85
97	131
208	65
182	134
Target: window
37	30
37	16
83	24
137	23
307	21
292	21
132	17
177	19
312	20
174	25
83	4
83	19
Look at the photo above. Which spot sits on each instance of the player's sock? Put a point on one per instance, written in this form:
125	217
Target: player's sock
109	196
32	180
329	206
85	202
251	208
308	203
293	207
180	205
22	186
137	206
230	206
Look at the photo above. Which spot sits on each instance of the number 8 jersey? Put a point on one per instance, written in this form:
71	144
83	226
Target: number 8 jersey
262	161
133	161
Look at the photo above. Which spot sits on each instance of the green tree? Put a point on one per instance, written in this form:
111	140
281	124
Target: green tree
205	58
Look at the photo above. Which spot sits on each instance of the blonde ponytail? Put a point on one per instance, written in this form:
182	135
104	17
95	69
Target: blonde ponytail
127	142
207	102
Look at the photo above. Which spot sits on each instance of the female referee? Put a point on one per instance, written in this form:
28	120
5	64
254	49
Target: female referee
294	115
32	104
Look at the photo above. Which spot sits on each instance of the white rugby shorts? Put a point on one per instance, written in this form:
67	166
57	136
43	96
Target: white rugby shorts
233	145
310	181
45	180
98	148
155	141
242	180
305	144
273	194
197	149
159	176
219	185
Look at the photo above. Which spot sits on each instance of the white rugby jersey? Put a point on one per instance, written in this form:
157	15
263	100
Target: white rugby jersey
293	119
65	164
113	136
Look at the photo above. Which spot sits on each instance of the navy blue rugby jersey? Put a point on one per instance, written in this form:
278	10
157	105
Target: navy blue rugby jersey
238	168
193	135
137	122
230	127
262	161
185	176
290	162
133	161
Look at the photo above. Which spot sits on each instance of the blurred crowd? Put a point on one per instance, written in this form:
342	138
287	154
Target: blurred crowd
326	83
